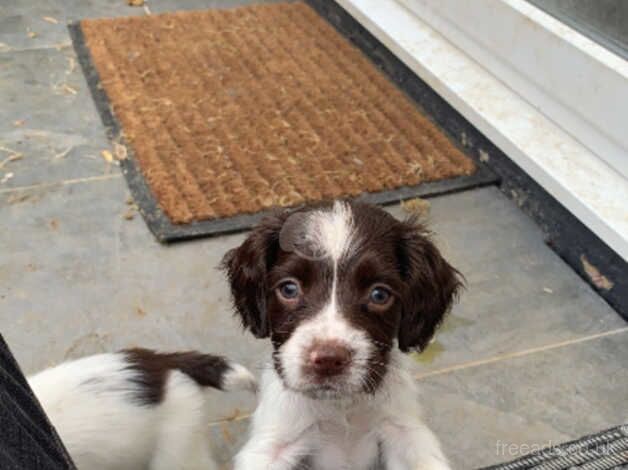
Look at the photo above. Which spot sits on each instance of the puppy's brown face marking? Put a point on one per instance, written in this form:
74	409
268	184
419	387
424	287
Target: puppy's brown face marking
338	286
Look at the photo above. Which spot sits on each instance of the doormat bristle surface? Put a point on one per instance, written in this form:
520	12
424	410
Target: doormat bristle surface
228	113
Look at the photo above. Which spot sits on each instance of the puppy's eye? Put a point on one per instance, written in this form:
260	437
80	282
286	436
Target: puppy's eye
380	296
289	290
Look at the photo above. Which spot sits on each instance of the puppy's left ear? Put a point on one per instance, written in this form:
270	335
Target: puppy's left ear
247	266
431	286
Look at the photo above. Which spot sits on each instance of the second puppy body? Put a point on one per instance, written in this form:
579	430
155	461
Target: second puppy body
137	408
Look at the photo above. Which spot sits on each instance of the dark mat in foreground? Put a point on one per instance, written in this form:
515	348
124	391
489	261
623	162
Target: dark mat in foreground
226	114
27	439
603	451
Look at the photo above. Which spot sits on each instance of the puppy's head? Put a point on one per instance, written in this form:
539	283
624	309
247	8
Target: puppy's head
335	287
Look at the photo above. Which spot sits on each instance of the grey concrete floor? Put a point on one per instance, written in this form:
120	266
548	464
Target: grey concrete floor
530	355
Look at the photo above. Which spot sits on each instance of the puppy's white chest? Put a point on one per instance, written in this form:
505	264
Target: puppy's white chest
345	446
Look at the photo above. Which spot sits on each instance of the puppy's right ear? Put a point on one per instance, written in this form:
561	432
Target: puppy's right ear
247	267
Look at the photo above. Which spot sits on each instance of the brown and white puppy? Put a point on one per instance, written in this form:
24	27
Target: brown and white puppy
339	289
137	408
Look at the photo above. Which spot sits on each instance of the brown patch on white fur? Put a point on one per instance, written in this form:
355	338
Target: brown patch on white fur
206	370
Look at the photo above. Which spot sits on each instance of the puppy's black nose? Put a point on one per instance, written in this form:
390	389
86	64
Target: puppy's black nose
328	358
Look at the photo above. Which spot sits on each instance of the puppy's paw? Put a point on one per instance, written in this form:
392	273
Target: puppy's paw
433	464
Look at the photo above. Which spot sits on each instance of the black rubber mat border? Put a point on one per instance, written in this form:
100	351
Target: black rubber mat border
564	233
605	450
158	221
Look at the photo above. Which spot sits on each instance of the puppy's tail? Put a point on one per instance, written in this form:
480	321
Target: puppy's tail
206	370
238	377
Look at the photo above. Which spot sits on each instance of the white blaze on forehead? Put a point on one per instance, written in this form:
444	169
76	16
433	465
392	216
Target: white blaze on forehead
331	230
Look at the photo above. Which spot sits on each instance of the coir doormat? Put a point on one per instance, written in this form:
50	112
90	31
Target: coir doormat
603	451
226	114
